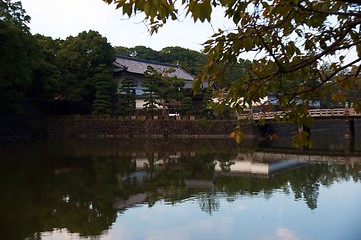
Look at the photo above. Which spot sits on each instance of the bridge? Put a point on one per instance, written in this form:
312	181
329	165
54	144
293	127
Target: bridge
342	124
316	113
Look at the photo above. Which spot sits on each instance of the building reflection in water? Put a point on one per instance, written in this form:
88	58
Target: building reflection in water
190	174
58	185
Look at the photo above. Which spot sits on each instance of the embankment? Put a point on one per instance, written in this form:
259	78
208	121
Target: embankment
136	127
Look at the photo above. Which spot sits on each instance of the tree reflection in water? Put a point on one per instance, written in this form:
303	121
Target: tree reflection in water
304	182
82	187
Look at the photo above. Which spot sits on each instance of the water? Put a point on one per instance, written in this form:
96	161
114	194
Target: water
178	189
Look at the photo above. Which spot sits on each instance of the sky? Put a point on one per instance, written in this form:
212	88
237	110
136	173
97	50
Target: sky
63	18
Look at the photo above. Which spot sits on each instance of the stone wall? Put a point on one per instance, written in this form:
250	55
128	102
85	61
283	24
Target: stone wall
148	127
140	126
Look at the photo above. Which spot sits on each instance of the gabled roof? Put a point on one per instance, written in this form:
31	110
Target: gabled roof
139	66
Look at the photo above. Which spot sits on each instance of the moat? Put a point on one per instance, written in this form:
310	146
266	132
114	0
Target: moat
179	189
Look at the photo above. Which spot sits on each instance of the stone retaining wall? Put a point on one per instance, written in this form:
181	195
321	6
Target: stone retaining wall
155	127
140	126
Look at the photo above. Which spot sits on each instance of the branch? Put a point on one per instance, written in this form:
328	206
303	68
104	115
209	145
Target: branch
348	46
357	2
328	78
313	59
312	10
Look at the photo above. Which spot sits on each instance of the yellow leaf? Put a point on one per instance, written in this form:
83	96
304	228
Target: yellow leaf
237	134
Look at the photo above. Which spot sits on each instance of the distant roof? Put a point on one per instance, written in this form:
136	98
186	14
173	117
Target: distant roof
139	66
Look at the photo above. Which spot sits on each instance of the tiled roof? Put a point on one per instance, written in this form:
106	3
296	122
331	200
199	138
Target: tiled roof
138	66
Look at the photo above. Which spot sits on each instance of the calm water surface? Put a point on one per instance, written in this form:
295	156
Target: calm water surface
179	189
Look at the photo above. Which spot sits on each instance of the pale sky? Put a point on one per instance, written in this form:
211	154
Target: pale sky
63	18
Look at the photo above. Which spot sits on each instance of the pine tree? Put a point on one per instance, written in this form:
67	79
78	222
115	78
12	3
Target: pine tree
151	83
126	104
186	107
102	103
206	110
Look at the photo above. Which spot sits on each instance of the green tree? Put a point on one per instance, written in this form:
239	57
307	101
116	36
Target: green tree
119	50
143	52
189	60
103	84
234	72
46	75
165	87
127	94
205	110
14	13
17	54
186	107
140	52
151	83
78	60
289	39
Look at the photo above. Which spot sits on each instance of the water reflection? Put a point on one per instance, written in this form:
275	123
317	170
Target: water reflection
84	187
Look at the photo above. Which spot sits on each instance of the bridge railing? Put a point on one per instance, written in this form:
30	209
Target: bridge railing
335	112
327	112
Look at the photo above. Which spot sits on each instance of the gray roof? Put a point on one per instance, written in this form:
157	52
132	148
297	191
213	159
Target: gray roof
139	66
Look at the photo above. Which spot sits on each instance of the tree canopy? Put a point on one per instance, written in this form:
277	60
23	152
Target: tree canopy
79	59
16	51
14	13
46	76
127	96
294	42
189	60
159	85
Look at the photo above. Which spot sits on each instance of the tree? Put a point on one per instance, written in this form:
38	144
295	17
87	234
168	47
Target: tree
14	13
189	60
17	53
151	83
140	52
290	39
166	88
78	60
143	52
233	73
186	107
205	110
103	84
119	50
46	75
127	94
